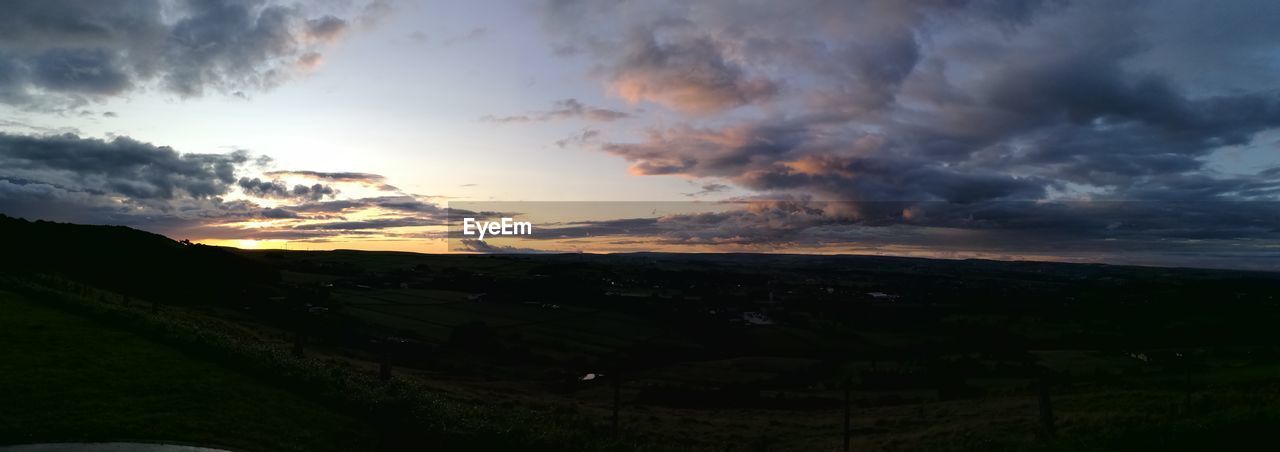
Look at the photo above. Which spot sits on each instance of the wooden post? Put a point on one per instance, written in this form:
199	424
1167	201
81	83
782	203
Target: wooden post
1046	406
846	415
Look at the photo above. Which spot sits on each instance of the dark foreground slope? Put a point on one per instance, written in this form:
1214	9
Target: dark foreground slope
69	378
710	352
130	261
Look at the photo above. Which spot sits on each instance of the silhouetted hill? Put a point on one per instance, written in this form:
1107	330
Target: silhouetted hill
128	260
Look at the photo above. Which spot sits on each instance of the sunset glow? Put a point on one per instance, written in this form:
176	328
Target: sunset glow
868	127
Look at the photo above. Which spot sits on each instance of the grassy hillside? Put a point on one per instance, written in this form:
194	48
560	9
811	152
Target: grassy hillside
68	378
131	262
508	352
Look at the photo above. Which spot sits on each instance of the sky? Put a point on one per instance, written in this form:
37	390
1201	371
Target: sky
1139	132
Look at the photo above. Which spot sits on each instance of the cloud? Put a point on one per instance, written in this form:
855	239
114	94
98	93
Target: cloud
480	246
325	29
121	181
582	138
646	228
691	75
791	157
1236	234
969	119
333	176
374	11
121	166
367	179
708	189
575	109
379	223
564	109
715	56
275	189
399	203
156	188
278	213
966	101
58	54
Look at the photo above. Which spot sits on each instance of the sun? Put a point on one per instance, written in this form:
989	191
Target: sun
250	244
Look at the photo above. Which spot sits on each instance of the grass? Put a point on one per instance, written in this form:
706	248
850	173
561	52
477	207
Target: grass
1108	411
403	414
68	378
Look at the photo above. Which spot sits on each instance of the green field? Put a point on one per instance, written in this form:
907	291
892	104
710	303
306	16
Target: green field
67	378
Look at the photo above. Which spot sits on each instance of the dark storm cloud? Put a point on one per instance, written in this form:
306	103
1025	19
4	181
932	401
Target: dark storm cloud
58	53
276	189
263	189
787	157
81	71
709	57
564	109
128	182
121	166
1041	125
42	200
123	181
313	192
958	101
